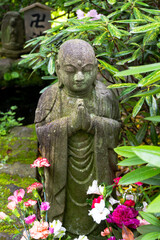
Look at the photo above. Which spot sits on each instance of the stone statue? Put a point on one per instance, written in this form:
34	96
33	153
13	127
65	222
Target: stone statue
13	34
77	127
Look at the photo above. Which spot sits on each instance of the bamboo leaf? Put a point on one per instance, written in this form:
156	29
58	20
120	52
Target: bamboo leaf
122	85
148	19
153	134
139	175
114	31
149	37
69	3
139	69
125	6
146	27
138	106
131	21
109	67
142	3
51	65
100	39
154	206
111	1
113	14
123	53
141	133
150	79
131	138
127	91
151	11
147	93
137	13
153	118
82	28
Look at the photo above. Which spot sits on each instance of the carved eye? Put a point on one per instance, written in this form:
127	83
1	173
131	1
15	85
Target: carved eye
88	68
70	68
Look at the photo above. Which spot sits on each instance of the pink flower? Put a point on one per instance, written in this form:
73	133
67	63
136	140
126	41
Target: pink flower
93	14
96	200
30	219
129	203
11	205
45	206
139	183
17	196
106	232
51	230
40	162
80	14
116	181
25	235
143	222
2	215
124	215
35	185
30	203
112	238
39	230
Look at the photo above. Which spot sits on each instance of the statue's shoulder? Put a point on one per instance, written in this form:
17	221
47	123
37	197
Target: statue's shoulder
46	102
103	92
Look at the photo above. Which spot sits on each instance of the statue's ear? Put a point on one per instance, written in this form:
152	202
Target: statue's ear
57	66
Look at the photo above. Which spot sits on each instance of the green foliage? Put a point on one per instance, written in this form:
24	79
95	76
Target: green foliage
8	121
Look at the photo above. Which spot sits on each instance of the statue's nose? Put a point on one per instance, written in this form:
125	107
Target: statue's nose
79	76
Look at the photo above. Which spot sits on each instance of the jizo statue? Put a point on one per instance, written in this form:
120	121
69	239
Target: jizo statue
77	127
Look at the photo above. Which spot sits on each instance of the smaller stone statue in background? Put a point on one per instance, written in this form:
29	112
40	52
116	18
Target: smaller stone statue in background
13	35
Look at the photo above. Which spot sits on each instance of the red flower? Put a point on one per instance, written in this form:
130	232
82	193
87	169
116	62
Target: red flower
35	185
129	203
40	162
139	183
96	200
30	203
116	181
106	232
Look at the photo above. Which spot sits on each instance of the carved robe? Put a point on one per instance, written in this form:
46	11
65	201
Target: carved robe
76	159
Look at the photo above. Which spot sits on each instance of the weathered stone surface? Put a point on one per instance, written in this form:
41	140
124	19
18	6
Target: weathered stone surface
77	123
13	35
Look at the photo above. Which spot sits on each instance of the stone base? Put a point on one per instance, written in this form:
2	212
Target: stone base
13	53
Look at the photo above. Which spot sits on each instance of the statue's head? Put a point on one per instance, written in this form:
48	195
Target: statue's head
76	66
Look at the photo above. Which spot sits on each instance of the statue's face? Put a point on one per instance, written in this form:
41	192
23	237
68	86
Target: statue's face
77	74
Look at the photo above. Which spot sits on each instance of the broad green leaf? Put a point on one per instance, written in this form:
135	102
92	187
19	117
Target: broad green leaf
147	229
108	67
131	161
139	175
100	39
131	138
51	65
111	1
153	118
122	85
146	27
141	133
154	206
158	45
126	151
150	154
147	93
69	3
153	134
151	236
125	6
149	37
139	69
150	79
127	91
137	13
138	106
151	11
114	31
153	180
150	218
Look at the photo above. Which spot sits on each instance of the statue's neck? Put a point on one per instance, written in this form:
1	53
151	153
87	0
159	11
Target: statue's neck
82	94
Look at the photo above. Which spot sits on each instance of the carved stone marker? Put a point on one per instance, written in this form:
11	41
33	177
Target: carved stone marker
77	127
36	17
13	35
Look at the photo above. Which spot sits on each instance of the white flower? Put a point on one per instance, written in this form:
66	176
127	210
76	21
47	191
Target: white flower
81	237
99	212
94	189
144	206
59	231
113	201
